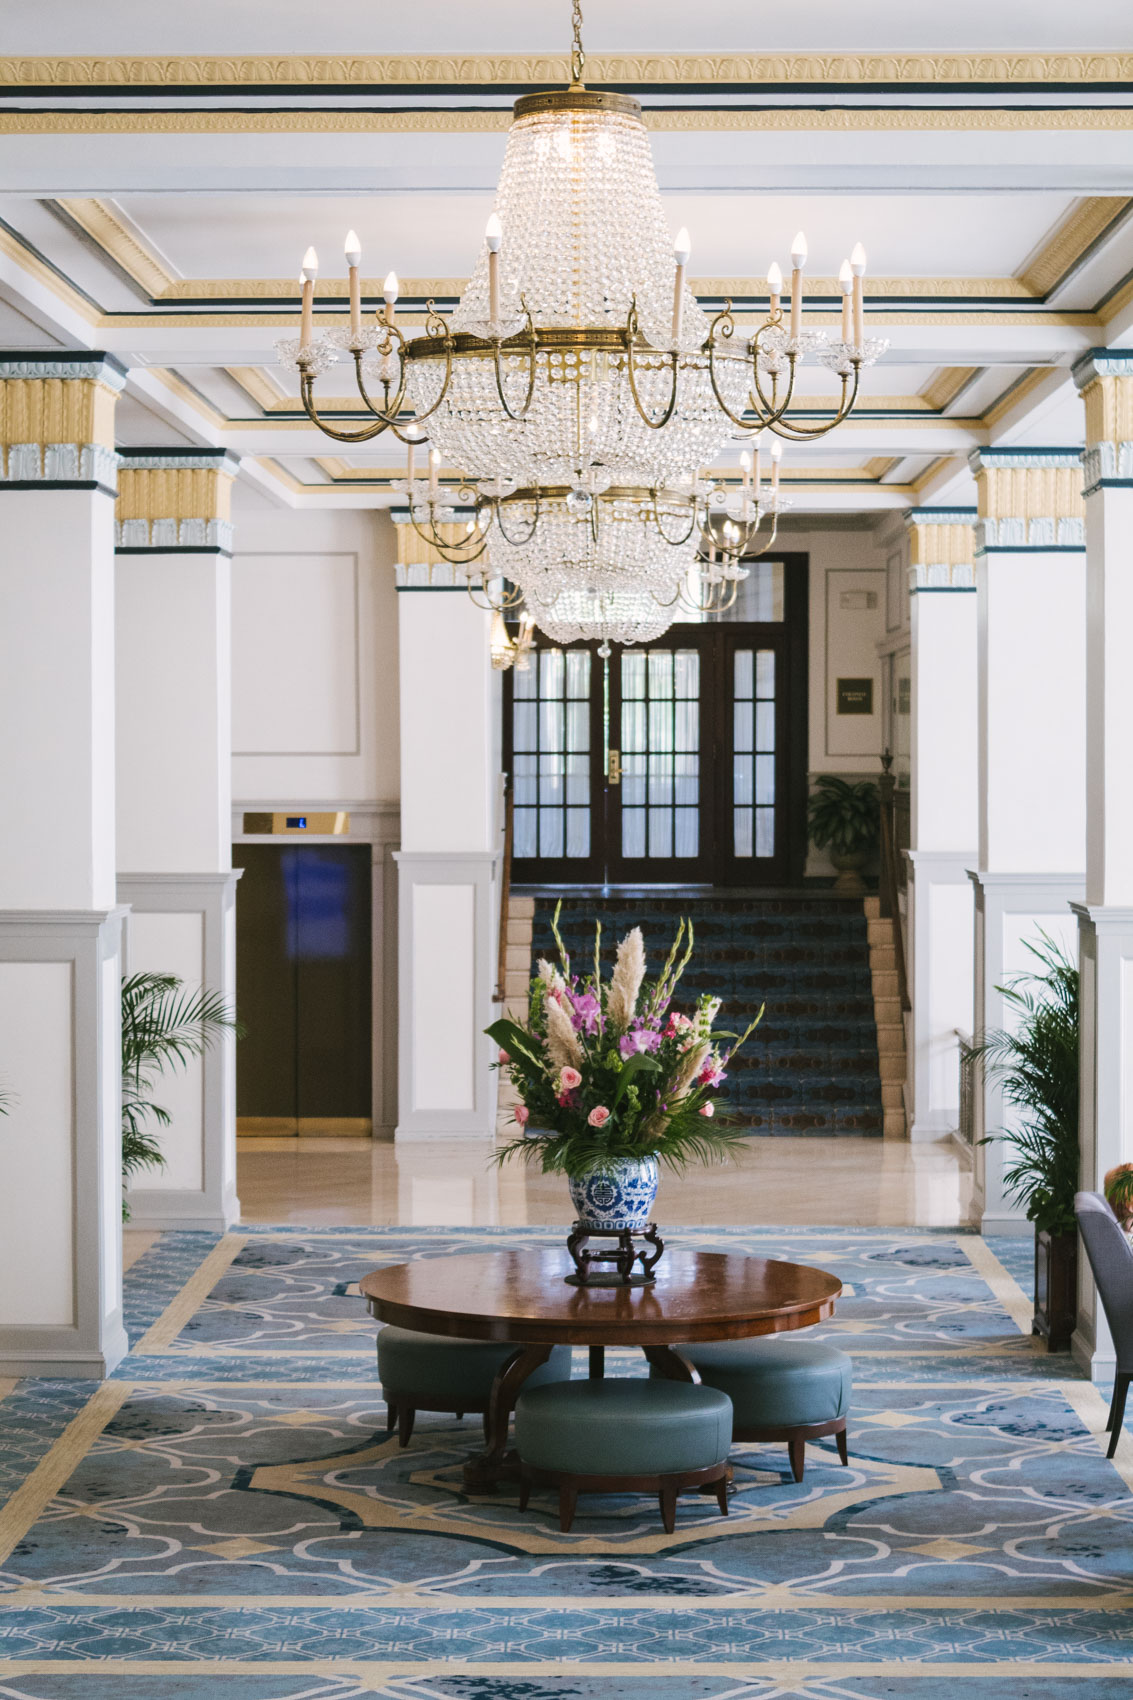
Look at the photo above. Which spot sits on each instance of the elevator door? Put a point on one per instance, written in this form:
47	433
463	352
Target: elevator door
303	981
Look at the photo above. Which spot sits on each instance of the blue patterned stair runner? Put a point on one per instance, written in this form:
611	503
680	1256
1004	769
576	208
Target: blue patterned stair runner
811	1066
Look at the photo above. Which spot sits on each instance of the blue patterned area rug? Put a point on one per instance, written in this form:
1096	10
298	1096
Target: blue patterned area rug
811	1067
226	1519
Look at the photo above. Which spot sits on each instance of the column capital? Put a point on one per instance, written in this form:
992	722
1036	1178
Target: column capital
1028	499
940	548
422	567
1105	378
57	419
175	499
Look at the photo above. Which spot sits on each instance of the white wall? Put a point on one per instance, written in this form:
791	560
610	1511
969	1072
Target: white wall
314	655
846	567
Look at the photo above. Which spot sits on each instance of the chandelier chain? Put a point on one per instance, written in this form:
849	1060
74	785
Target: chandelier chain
577	56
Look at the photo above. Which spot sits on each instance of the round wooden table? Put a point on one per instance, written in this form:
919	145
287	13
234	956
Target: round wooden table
522	1295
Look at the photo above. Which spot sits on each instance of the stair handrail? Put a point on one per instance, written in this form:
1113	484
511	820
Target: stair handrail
505	889
888	903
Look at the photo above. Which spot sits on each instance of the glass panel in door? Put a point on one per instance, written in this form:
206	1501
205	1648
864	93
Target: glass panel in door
551	746
656	809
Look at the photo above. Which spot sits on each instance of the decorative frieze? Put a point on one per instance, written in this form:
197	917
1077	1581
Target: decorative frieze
57	419
1105	379
1028	499
175	499
419	565
941	542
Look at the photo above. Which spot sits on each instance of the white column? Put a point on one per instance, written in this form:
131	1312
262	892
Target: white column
448	861
944	809
1031	578
60	1143
1105	919
174	682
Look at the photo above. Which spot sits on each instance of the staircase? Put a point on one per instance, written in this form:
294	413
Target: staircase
823	969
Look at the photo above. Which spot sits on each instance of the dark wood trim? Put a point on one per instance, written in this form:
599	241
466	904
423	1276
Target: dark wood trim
796	1439
666	1488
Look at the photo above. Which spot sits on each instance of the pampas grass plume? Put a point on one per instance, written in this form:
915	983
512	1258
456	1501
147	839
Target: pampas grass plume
629	972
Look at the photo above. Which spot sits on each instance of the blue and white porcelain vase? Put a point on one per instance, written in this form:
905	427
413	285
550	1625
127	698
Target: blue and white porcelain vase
617	1198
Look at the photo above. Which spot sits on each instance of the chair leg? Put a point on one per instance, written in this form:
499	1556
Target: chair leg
843	1446
568	1499
1121	1388
460	1416
722	1495
391	1416
797	1452
668	1499
1112	1404
524	1491
405	1415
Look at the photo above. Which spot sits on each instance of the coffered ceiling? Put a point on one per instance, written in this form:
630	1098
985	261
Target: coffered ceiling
162	170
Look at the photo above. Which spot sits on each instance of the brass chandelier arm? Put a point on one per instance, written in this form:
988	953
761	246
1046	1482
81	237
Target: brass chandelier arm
793	433
632	331
519	542
506	602
387	414
436	331
655	516
769	411
365	435
533	353
459	553
724	324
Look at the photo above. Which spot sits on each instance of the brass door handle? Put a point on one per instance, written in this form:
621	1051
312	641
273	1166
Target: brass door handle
614	770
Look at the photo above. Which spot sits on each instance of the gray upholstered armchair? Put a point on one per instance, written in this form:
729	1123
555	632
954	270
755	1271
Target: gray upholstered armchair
1112	1263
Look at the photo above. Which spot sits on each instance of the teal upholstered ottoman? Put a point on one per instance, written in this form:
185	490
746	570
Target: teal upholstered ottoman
792	1390
623	1437
429	1372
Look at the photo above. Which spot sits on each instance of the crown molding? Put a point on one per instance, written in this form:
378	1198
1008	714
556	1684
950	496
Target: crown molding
121	245
1086	224
522	71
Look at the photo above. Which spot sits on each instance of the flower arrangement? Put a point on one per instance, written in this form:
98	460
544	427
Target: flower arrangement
606	1071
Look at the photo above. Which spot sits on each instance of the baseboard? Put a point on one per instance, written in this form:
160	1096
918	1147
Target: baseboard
1096	1366
1013	1227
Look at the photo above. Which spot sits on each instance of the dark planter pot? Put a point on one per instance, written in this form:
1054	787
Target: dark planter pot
1056	1288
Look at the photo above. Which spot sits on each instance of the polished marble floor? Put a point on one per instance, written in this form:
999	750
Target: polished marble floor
443	1183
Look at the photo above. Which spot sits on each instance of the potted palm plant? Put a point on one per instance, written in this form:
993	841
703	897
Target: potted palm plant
1037	1062
163	1026
845	818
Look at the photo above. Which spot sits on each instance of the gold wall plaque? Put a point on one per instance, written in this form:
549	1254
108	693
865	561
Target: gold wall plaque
855	696
328	822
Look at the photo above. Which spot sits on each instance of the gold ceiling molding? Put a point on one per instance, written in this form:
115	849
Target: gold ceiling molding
258	387
51	280
1117	303
541	69
945	385
303	121
879	466
1010	316
165	376
335	290
111	235
1088	220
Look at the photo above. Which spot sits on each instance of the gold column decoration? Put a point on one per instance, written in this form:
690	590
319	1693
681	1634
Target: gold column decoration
57	419
175	499
941	547
1028	499
419	563
1105	379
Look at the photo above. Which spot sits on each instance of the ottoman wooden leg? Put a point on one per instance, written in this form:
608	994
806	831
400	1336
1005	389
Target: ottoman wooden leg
391	1415
797	1451
668	1499
843	1446
405	1415
722	1495
568	1499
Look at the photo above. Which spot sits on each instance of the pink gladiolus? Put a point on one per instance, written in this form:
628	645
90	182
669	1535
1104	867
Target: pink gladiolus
708	1109
521	1114
504	1058
598	1116
711	1075
569	1079
678	1023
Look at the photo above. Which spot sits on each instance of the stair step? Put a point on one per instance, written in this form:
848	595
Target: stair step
520	908
872	908
894	1124
518	959
890	1040
887	1011
519	931
893	1094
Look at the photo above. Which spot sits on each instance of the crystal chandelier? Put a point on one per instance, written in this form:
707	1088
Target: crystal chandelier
578	353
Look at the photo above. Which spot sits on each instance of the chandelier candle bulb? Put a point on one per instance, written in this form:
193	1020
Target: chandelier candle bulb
353	251
682	248
434	468
389	293
798	263
493	236
412	446
776	457
755	470
775	287
857	266
846	284
308	275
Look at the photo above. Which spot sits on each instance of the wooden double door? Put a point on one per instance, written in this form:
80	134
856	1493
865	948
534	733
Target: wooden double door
681	762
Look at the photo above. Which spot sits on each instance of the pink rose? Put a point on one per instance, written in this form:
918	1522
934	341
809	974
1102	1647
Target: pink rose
708	1109
569	1079
521	1114
598	1116
504	1058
